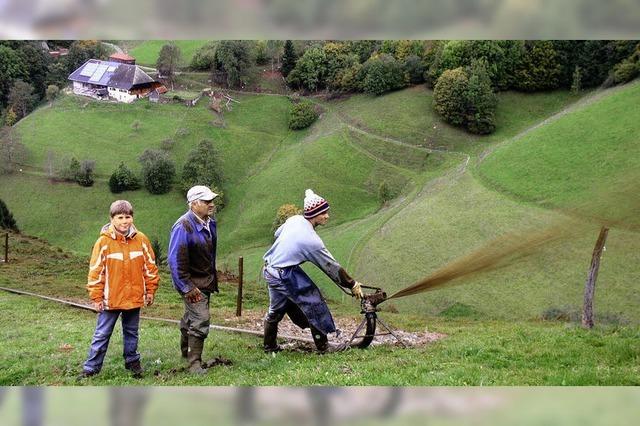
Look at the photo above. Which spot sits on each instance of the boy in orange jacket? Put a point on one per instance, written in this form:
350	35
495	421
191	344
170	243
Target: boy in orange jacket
123	277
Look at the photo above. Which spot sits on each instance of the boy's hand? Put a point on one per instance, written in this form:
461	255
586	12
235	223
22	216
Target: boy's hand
149	299
98	306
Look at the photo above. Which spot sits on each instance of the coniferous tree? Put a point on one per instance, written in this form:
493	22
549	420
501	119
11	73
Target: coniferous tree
288	58
6	218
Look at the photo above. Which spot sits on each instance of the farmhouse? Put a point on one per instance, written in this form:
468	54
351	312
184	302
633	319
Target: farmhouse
123	82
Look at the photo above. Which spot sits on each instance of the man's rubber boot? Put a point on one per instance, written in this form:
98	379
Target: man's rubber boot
184	343
270	337
320	339
196	345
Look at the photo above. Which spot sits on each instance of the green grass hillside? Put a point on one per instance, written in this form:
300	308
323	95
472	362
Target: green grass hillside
408	115
459	215
439	211
562	162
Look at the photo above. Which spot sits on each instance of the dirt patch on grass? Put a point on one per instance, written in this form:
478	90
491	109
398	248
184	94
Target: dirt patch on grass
253	321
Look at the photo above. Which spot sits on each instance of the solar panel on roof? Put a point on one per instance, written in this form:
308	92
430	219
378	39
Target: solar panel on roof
89	69
111	69
97	75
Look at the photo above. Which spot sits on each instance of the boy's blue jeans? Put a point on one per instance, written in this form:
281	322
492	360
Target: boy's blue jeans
106	322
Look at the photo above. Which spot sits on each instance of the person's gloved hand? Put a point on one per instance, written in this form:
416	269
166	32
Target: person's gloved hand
356	290
194	295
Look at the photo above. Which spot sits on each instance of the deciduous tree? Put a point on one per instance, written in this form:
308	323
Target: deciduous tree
168	61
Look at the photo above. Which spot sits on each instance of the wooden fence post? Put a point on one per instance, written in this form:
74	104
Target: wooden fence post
6	248
590	285
239	299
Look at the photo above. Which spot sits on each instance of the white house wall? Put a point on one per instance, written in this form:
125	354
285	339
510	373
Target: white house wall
121	96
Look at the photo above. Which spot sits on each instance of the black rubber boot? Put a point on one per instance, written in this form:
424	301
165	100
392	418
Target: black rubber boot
270	337
320	339
184	343
322	342
196	345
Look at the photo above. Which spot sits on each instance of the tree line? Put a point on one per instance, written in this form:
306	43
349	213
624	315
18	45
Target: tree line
465	74
29	75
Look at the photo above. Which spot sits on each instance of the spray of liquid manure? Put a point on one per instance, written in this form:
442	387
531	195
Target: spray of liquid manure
614	204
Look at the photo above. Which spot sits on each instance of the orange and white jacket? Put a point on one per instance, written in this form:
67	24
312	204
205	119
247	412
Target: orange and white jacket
122	269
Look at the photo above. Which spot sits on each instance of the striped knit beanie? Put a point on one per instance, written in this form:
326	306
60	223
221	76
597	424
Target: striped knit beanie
314	204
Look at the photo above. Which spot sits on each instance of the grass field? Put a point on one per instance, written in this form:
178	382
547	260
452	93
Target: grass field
265	165
446	204
147	52
474	353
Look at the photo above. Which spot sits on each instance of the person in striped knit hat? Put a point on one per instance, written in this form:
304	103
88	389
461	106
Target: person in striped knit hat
291	291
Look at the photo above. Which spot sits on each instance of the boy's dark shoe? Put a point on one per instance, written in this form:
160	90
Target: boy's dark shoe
86	374
135	368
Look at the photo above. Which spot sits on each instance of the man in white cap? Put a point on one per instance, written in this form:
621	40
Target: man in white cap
192	260
291	291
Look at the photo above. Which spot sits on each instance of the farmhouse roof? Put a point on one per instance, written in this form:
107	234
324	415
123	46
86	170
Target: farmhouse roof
110	74
122	57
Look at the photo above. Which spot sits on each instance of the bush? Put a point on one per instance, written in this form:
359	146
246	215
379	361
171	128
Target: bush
384	192
52	92
414	68
71	171
450	96
625	71
284	212
303	114
167	145
6	218
123	179
201	167
465	98
158	171
204	58
382	74
85	175
348	79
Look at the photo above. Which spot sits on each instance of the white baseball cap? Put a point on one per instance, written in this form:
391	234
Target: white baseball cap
200	192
